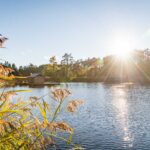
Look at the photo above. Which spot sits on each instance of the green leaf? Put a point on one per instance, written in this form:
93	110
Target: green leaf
70	138
42	111
16	91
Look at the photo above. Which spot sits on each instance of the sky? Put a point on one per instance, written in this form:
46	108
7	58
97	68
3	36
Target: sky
39	29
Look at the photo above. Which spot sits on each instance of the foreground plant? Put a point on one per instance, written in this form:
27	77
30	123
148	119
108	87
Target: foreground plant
20	128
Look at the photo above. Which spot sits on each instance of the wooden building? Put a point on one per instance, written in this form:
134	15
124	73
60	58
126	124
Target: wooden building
36	79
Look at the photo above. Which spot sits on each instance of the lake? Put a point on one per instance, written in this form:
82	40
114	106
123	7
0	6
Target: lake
114	116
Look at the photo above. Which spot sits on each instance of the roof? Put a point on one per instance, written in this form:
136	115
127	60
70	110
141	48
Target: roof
33	75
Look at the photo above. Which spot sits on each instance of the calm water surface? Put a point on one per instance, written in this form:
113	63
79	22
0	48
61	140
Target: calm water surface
114	116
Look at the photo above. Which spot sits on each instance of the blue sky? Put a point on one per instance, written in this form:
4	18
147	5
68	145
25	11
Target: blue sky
38	29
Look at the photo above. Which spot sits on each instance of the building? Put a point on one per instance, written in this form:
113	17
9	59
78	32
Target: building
36	79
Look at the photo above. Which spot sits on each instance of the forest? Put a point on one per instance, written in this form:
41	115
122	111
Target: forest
68	69
134	68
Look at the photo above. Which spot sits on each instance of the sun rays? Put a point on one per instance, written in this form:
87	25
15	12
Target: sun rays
126	67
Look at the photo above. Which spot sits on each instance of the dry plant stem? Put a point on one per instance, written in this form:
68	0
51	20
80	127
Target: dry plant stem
39	130
27	104
58	137
54	117
23	107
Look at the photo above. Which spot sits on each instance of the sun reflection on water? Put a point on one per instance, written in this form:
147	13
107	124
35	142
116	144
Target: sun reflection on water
121	108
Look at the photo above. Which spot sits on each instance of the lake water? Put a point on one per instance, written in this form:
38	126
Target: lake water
114	116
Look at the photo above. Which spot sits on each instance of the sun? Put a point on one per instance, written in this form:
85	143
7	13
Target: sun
122	45
122	54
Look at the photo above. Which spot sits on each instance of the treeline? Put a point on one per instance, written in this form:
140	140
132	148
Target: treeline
68	69
135	68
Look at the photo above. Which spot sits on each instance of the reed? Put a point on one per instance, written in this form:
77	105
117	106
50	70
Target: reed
21	129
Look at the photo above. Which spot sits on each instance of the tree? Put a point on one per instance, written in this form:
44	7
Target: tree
53	62
14	67
67	62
